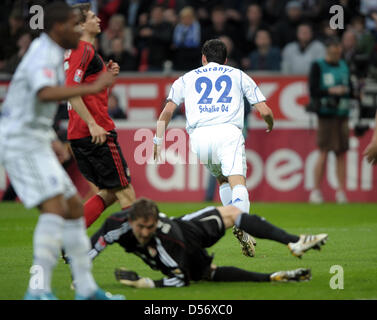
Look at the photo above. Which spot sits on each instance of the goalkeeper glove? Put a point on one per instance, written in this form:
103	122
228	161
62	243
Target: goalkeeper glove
132	279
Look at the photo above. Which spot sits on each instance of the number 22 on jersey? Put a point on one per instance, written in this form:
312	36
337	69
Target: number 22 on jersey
208	86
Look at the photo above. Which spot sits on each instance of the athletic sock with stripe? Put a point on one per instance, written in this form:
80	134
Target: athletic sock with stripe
47	242
260	228
76	244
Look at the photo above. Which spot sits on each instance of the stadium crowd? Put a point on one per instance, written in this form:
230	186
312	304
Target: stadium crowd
153	35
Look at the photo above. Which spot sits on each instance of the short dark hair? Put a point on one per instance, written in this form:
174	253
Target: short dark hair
56	12
144	209
332	41
215	51
82	9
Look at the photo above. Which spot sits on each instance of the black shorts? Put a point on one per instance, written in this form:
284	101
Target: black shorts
103	165
203	228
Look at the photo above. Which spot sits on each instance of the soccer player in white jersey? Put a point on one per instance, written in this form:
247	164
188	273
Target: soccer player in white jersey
213	96
26	140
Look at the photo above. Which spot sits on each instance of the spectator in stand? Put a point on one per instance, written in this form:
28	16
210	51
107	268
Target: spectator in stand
106	9
154	40
170	16
325	31
133	9
273	10
298	56
23	44
365	39
233	55
265	57
117	29
349	44
284	31
369	8
313	10
219	26
186	41
115	111
9	35
254	22
177	5
126	60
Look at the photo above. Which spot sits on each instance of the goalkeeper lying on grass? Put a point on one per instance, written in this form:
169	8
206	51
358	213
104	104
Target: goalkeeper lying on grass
176	246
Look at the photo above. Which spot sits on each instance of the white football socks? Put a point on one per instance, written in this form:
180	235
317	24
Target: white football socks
225	192
76	245
240	198
47	242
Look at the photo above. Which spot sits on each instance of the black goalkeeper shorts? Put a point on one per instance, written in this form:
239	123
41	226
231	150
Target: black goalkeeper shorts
202	228
103	165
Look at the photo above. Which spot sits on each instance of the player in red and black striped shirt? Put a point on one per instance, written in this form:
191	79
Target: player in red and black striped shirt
91	131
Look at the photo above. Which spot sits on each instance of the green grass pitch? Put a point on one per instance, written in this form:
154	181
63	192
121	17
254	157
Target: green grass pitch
352	245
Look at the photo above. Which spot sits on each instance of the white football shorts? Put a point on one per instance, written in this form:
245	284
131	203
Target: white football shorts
38	176
221	148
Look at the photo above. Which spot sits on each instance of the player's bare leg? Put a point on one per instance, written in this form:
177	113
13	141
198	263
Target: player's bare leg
240	199
319	170
126	196
341	175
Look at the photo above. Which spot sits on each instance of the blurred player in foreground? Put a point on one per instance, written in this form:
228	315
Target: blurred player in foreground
91	131
27	144
213	96
176	246
371	150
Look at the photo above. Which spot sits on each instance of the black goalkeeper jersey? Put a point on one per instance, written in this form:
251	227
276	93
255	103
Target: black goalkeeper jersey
177	248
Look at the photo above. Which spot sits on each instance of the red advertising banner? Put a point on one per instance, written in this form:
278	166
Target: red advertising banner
280	167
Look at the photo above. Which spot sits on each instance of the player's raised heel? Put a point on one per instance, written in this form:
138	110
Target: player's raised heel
300	274
42	296
246	241
99	294
306	243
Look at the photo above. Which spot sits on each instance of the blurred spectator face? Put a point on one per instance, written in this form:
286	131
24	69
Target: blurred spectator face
304	34
294	11
349	40
228	44
254	13
157	15
116	23
24	41
187	16
170	16
218	17
263	39
334	52
112	102
327	31
143	19
358	24
92	23
117	46
15	21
